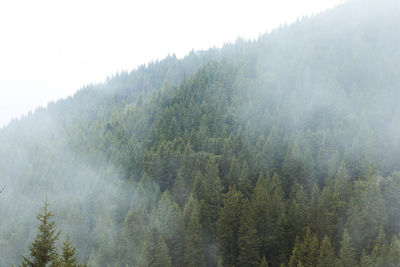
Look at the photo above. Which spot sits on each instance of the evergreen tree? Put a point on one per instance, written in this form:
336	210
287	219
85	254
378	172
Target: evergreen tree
161	256
326	254
228	227
365	260
347	253
305	252
297	214
269	215
194	244
68	254
380	251
366	214
393	257
43	248
248	238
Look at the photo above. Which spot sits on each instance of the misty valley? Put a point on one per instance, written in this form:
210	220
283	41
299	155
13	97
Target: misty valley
279	151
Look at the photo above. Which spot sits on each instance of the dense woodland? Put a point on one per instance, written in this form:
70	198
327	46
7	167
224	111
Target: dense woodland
280	151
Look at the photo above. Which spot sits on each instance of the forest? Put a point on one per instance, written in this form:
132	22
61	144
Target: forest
279	151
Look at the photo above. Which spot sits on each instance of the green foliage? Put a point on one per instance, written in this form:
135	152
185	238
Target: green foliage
228	226
347	252
249	246
305	252
194	244
43	249
161	256
68	254
225	156
326	254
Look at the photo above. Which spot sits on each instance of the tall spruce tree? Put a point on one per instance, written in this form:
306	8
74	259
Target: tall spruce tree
347	252
249	245
161	256
326	253
68	253
228	225
43	249
194	245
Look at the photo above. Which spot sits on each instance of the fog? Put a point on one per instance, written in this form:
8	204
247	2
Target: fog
154	157
49	50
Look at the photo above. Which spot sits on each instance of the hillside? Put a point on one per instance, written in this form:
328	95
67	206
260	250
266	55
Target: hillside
285	148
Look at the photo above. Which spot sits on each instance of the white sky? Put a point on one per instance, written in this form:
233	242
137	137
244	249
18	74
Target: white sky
51	48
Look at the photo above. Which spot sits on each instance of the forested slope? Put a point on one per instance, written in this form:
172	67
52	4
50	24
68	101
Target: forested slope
283	150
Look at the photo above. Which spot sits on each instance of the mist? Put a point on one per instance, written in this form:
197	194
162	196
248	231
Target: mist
281	149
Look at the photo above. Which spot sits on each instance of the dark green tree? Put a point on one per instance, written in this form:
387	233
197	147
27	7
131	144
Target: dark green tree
326	254
249	245
347	252
194	245
68	253
68	256
228	225
161	256
43	249
393	257
305	252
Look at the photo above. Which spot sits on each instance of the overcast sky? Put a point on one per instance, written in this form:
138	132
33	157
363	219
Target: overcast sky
50	48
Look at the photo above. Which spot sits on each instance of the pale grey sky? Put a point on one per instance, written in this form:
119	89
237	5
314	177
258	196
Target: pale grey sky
51	48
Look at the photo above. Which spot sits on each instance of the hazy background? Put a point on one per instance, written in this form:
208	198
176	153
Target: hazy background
49	49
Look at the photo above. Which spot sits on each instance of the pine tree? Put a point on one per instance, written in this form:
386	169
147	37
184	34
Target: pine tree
228	227
305	252
366	213
210	205
269	215
179	189
314	210
380	251
347	253
292	168
326	254
297	214
393	257
194	247
248	240
43	248
161	256
68	254
365	260
170	222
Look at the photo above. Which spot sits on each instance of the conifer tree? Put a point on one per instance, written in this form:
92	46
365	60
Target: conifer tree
297	214
269	214
365	260
305	252
170	222
326	253
248	240
228	227
347	253
68	254
43	249
179	189
380	251
393	257
194	247
161	256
